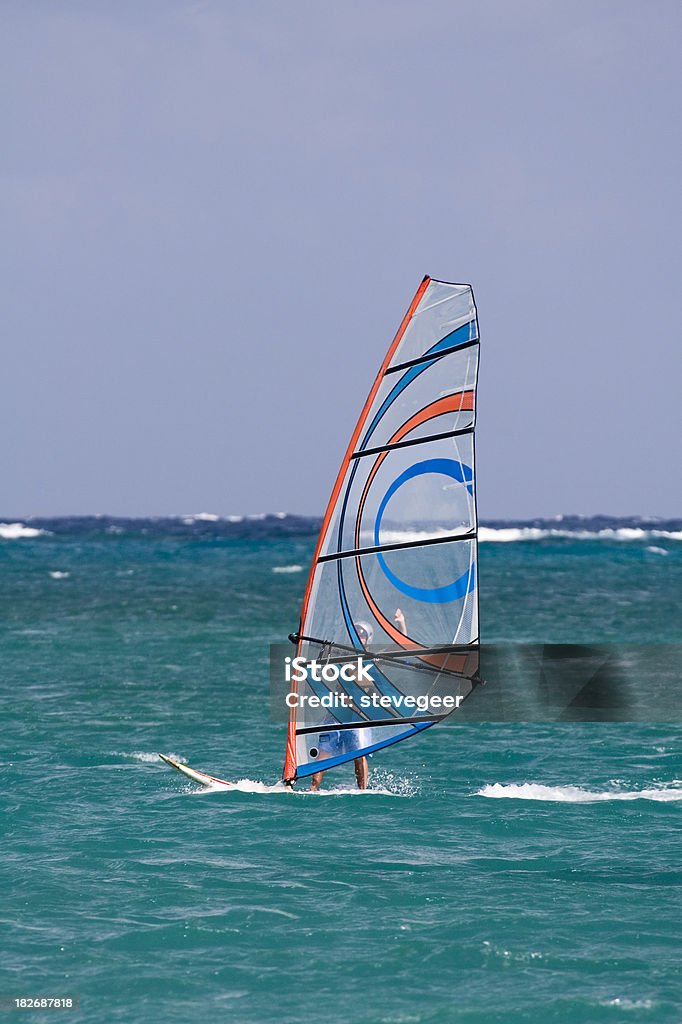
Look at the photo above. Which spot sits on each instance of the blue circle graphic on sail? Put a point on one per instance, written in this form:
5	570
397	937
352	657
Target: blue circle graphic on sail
467	581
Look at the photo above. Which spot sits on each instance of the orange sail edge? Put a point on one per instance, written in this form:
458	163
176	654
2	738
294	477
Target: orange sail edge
289	772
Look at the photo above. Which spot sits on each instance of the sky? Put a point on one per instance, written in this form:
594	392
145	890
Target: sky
214	215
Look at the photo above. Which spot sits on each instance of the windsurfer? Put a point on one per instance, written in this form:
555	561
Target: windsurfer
345	741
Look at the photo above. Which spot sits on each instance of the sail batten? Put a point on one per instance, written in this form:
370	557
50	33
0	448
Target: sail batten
397	546
432	356
415	440
394	575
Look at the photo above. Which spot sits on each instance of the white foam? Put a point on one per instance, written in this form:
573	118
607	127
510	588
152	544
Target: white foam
487	535
241	786
60	575
287	568
490	949
389	783
19	531
352	790
573	794
255	786
407	536
140	755
657	551
235	519
508	534
630	1004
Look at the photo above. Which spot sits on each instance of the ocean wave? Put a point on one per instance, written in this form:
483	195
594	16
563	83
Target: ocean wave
406	536
287	568
19	531
212	517
509	534
574	794
516	534
630	1004
661	534
57	575
201	517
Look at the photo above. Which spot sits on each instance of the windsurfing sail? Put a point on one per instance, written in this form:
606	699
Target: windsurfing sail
394	577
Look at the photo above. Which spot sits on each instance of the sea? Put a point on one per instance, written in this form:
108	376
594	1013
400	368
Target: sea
493	873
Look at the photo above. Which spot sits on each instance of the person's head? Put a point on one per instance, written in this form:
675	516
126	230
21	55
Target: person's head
364	632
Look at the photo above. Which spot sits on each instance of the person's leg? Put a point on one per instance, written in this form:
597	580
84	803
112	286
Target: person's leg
316	780
361	772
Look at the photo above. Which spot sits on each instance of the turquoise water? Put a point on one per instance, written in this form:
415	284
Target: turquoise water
494	873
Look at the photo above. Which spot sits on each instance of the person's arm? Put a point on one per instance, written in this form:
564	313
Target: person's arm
399	620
